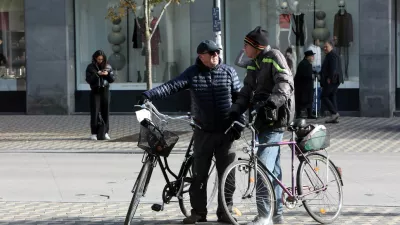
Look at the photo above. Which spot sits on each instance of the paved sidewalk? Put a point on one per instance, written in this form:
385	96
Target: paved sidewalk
110	213
70	133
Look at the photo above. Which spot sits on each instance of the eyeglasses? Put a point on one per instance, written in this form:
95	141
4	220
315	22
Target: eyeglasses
212	53
341	6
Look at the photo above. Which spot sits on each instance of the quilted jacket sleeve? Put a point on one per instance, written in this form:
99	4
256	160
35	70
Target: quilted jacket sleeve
283	81
171	87
244	96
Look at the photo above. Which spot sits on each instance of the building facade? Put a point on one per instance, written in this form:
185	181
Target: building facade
47	44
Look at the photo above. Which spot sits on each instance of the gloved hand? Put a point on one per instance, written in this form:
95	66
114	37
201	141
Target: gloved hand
258	105
234	115
234	133
143	99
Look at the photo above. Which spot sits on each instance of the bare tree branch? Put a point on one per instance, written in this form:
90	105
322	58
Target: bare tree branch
159	18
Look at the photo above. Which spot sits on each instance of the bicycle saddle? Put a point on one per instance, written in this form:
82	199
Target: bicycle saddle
298	123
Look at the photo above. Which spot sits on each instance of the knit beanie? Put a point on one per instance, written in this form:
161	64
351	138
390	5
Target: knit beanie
258	38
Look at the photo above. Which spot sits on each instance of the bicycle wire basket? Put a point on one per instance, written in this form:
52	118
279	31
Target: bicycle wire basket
154	141
313	137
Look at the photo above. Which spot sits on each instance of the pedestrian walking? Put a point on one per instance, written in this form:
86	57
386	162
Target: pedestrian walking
213	86
99	75
304	85
331	78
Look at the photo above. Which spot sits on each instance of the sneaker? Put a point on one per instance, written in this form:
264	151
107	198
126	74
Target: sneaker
278	219
93	137
107	136
260	221
192	219
333	119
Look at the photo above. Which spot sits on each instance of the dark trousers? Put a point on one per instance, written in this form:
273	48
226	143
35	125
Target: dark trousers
206	145
99	103
328	97
304	96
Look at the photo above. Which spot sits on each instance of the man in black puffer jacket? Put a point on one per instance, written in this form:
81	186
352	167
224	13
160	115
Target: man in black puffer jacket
214	88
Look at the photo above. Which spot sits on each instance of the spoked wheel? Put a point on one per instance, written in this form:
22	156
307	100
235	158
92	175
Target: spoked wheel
137	193
320	183
212	188
242	193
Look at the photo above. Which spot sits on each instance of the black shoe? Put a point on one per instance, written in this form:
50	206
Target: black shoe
225	219
192	219
278	219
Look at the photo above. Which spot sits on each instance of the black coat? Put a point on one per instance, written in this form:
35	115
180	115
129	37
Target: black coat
95	80
303	84
331	69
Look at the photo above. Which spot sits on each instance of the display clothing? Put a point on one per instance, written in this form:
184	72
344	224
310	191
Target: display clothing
316	64
284	21
138	38
343	29
298	29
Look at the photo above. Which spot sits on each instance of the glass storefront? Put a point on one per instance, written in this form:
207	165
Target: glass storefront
12	46
297	24
123	43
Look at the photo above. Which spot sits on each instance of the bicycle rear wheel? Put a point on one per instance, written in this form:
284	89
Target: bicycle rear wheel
243	196
212	188
319	182
138	192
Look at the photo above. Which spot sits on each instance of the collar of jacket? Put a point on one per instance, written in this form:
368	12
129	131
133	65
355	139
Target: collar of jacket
340	13
260	56
204	68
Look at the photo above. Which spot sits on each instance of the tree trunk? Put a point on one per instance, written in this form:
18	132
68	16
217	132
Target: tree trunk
147	46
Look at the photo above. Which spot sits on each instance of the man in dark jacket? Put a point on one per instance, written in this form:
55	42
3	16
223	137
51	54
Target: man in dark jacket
269	89
304	85
214	87
331	78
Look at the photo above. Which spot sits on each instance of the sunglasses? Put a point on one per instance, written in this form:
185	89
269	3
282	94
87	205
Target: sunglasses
212	53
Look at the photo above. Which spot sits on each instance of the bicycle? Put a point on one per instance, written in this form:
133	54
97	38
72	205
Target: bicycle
257	175
156	143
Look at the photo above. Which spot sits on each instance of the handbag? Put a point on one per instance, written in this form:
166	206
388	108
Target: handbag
101	128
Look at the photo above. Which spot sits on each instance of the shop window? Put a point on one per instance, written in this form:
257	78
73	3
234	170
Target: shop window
122	41
297	24
12	46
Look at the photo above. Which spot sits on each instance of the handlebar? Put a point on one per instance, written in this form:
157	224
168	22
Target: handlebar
164	118
248	125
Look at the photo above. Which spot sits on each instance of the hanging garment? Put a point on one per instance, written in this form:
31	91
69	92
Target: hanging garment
284	21
343	29
298	29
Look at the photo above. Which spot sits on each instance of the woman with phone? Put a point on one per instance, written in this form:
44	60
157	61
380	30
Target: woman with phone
99	75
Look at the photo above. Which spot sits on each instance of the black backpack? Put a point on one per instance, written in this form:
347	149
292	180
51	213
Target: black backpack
101	128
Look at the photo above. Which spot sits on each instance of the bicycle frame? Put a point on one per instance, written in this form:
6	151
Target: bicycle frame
165	169
295	150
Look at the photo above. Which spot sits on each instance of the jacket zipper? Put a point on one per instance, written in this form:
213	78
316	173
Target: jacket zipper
213	94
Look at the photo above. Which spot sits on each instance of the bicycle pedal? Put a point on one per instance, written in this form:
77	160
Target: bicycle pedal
157	207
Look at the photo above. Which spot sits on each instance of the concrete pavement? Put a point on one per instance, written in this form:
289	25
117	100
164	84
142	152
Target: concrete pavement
70	134
45	188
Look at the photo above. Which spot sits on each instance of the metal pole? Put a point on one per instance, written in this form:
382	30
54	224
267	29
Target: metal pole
217	25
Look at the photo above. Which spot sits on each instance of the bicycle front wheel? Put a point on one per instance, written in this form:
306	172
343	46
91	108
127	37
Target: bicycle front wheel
246	193
138	192
212	188
320	188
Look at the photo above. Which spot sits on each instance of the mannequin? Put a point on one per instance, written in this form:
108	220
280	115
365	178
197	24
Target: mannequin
283	23
315	47
138	43
343	34
299	28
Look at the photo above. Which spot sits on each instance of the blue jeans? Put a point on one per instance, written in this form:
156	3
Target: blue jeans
270	157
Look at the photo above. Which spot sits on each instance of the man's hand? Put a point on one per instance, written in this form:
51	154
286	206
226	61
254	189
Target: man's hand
143	100
234	115
328	81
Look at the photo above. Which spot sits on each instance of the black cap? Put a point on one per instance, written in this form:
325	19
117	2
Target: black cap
207	46
309	53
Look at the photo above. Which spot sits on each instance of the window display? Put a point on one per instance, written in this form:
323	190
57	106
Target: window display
122	40
295	26
12	46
